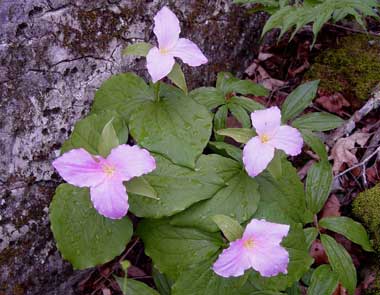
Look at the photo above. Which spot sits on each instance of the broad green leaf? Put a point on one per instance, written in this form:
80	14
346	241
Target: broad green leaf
315	143
162	282
306	278
340	262
294	290
221	80
240	114
244	87
177	77
318	185
173	249
83	236
323	281
176	127
299	100
351	229
87	132
140	186
133	287
220	121
178	187
242	135
275	166
311	233
122	93
210	97
248	104
318	122
108	139
230	228
139	49
239	200
226	149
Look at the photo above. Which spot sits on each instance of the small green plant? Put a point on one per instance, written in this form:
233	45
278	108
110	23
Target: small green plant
287	14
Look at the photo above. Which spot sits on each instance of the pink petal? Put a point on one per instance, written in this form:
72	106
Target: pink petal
80	168
233	261
288	139
256	156
159	65
269	261
131	161
166	28
110	199
266	121
189	53
262	230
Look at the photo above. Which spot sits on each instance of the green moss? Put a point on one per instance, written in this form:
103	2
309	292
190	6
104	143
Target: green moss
352	68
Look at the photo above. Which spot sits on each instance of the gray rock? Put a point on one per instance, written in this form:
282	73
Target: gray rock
54	55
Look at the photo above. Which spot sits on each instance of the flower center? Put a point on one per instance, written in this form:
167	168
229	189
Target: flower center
248	244
164	51
108	169
264	138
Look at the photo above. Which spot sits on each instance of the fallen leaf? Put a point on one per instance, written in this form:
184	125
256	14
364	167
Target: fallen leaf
318	253
334	103
106	291
331	208
134	271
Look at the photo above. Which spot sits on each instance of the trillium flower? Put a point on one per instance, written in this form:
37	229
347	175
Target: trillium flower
259	248
160	60
271	135
105	177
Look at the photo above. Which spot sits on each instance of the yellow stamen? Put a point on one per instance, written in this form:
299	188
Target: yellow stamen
264	138
164	51
248	244
108	169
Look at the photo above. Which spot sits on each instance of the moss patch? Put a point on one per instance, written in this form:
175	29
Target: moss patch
352	69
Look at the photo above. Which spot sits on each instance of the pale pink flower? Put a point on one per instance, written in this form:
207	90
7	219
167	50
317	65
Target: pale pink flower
271	135
259	248
160	60
105	177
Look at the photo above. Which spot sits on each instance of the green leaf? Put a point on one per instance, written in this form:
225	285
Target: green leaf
340	262
174	248
318	185
239	200
140	186
275	166
176	127
318	122
231	229
83	236
220	121
249	104
240	114
178	187
210	97
242	135
294	290
133	287
163	284
177	77
315	143
87	132
226	149
108	139
221	80
351	229
234	85
299	100
122	93
311	233
139	49
323	281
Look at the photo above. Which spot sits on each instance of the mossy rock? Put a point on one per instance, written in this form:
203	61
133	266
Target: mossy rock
351	69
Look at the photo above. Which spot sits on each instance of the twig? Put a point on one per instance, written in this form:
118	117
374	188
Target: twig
353	30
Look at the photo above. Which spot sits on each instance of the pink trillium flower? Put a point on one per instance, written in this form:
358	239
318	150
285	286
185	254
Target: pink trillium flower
271	135
259	248
160	60
105	177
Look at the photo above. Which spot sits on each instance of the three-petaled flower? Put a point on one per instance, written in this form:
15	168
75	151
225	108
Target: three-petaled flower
271	135
160	60
259	248
105	176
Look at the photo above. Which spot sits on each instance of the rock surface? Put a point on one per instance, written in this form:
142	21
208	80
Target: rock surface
54	54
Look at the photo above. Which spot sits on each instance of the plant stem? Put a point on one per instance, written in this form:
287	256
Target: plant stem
157	91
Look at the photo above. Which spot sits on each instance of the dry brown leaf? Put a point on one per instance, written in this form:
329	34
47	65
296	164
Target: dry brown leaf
331	208
344	150
318	253
333	103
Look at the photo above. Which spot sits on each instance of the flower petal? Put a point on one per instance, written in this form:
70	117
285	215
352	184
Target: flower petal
269	261
256	156
166	28
110	199
159	65
80	168
233	261
189	52
262	231
266	121
131	161
288	139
